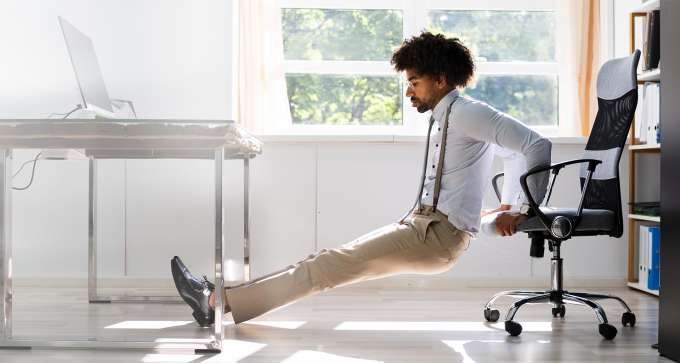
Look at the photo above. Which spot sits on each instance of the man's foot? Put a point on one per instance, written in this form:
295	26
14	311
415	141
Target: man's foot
195	292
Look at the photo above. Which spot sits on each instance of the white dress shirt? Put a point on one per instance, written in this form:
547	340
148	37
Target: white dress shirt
475	129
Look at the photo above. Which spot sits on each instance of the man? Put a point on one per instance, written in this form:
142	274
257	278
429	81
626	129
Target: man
437	231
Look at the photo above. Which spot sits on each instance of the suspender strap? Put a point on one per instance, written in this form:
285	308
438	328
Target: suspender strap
438	180
442	153
419	197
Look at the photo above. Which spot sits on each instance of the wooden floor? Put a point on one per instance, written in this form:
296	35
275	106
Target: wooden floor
351	324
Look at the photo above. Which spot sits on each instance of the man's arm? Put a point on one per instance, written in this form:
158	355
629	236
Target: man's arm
520	142
484	123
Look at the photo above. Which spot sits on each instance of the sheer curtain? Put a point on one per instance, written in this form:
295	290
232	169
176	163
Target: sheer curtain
580	35
262	99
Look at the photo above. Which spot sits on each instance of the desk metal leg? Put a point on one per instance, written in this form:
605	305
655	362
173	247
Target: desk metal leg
5	245
218	332
92	235
6	338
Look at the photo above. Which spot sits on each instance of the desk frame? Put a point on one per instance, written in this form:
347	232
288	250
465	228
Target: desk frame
6	338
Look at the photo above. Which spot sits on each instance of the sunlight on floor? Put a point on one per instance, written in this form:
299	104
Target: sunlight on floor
311	356
232	351
459	347
147	324
535	326
182	343
170	358
279	324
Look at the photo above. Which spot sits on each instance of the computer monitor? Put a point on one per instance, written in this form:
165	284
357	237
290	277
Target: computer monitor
86	67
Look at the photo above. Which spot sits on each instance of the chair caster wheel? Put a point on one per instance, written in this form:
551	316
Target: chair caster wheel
608	331
628	319
491	315
559	311
513	328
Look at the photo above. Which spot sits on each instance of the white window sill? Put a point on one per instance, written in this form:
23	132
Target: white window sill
382	139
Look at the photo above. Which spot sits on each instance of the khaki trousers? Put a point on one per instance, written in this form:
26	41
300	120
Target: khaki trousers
425	243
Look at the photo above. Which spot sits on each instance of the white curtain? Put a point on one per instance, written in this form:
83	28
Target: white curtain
262	100
579	53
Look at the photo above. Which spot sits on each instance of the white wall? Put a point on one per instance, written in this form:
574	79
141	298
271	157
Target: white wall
173	58
305	196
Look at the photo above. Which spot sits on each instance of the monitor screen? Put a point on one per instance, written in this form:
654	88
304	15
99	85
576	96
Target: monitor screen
85	65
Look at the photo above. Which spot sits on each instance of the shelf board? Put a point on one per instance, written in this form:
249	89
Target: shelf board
642	217
637	286
650	76
648	5
645	147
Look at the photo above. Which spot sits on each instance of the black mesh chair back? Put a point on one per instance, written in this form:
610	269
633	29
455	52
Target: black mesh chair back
617	98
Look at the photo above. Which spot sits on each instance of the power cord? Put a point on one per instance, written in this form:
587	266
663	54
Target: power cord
34	161
37	156
66	114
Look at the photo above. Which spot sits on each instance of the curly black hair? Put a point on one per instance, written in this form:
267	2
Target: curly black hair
435	55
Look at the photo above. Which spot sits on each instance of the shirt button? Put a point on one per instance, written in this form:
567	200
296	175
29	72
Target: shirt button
436	145
432	166
439	129
426	194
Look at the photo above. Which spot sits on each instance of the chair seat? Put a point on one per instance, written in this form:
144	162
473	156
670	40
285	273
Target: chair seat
592	220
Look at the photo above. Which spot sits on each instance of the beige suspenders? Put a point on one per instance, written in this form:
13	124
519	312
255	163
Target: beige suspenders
440	166
438	179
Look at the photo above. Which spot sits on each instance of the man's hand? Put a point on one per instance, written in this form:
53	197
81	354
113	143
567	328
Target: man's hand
499	209
506	223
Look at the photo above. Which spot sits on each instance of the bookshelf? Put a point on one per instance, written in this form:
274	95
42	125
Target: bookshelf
640	150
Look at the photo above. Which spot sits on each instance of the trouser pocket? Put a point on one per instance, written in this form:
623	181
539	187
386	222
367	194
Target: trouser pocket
421	223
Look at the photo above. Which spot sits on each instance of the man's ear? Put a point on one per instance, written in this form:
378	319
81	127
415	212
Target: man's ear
441	82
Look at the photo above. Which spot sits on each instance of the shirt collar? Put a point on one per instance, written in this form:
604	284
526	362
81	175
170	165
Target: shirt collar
439	111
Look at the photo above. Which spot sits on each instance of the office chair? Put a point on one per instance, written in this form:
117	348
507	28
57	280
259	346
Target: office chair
599	209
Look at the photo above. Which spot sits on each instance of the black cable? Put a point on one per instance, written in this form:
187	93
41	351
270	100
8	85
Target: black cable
35	162
72	111
67	114
35	158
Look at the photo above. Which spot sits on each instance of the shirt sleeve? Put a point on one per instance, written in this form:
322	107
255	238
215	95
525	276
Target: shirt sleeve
482	122
514	164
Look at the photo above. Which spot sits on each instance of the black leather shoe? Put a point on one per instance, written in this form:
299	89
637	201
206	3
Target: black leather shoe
195	292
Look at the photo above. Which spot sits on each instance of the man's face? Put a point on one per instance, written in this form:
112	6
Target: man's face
423	91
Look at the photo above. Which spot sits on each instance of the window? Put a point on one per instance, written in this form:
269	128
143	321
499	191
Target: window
337	57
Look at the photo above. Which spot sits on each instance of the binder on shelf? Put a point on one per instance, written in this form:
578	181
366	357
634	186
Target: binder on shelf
640	131
654	272
643	256
638	39
652	40
647	114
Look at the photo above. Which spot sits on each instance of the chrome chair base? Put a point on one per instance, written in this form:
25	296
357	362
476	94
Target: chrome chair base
558	297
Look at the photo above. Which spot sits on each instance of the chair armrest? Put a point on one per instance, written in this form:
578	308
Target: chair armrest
494	183
592	164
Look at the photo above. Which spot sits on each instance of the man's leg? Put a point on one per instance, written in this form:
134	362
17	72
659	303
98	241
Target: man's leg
423	244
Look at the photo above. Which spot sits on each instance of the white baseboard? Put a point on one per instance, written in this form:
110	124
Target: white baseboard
434	282
425	282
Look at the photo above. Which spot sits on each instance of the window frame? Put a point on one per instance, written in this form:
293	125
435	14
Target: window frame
415	18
